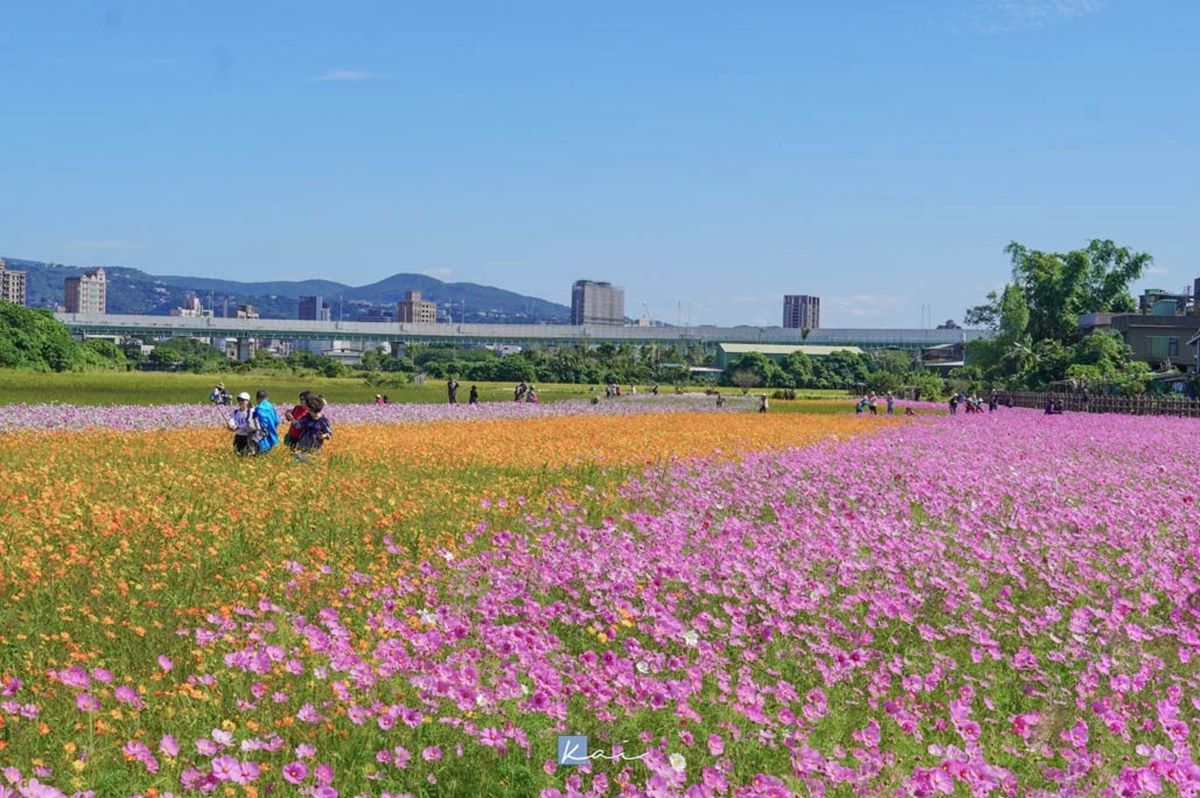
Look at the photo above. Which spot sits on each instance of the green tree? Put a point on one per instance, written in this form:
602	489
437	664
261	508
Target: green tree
1036	316
840	369
766	371
799	369
1060	287
34	339
188	354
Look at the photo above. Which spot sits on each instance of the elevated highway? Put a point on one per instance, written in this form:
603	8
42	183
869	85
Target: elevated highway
513	334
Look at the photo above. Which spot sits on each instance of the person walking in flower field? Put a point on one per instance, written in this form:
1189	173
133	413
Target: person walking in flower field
268	423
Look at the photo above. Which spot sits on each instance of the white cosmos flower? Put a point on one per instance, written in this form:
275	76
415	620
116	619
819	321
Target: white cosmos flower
427	617
690	638
642	667
678	762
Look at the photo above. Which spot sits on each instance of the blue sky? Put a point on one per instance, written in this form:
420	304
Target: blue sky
701	154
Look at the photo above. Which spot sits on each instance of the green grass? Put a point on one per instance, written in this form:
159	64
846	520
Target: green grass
151	388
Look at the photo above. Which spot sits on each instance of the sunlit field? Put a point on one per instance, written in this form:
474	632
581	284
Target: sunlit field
155	388
723	603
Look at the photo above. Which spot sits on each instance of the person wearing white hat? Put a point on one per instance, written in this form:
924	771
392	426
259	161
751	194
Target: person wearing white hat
244	426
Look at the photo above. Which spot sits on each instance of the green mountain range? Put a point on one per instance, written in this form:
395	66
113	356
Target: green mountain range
135	291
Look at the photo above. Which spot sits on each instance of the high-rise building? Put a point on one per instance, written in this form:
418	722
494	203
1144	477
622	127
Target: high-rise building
801	312
86	293
597	303
414	310
246	312
12	285
314	308
192	308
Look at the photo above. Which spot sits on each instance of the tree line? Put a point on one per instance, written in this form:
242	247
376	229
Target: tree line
1035	318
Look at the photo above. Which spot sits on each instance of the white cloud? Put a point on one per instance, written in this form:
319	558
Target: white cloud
349	74
1000	16
865	305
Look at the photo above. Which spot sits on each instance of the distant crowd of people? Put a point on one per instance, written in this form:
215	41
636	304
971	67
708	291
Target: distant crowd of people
255	426
870	403
973	404
526	393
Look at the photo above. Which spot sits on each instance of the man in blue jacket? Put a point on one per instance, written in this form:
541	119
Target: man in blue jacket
268	423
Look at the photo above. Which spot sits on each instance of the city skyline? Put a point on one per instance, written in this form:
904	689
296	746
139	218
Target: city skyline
707	159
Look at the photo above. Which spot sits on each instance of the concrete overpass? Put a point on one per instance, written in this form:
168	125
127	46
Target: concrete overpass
515	334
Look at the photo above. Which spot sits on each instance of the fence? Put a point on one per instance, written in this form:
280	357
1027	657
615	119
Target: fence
1087	403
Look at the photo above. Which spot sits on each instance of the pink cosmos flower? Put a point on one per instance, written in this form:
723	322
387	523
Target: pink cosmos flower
86	702
1077	735
295	772
127	695
1022	725
226	768
432	754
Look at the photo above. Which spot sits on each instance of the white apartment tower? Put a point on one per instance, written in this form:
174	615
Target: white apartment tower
597	303
12	285
414	310
86	293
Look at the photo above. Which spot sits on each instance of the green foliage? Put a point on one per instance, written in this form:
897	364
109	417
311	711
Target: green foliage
841	369
1036	319
99	354
32	339
799	369
187	354
927	386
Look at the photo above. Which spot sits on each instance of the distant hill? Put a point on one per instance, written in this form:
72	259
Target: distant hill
135	291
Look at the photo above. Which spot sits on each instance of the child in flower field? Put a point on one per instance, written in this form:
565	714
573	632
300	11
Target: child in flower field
315	429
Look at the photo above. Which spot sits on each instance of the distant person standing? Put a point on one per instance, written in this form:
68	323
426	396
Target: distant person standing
762	403
452	390
891	405
954	405
473	396
268	423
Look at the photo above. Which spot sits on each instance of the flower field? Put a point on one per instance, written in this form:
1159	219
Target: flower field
140	418
724	604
